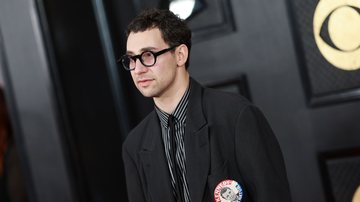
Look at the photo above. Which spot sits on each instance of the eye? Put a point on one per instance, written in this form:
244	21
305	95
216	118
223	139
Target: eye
147	55
336	32
148	58
324	33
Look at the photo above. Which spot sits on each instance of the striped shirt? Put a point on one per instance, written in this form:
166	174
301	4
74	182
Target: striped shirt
180	123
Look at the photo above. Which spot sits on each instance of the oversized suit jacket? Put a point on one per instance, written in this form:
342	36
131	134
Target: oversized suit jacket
226	137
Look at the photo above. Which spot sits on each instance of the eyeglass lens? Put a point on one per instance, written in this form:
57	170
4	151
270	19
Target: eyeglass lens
146	58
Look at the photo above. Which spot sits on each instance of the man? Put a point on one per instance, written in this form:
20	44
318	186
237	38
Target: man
196	137
228	194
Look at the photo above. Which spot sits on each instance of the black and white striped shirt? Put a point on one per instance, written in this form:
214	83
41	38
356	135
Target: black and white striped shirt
180	123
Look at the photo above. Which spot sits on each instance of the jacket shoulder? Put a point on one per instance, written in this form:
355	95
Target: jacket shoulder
136	135
224	101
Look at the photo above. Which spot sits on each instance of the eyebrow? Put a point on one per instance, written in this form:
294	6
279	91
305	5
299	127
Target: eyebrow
141	50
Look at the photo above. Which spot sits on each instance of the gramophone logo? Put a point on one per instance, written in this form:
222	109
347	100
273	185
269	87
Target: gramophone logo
337	32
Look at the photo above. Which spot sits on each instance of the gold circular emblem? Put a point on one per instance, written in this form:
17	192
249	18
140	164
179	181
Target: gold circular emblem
344	31
356	197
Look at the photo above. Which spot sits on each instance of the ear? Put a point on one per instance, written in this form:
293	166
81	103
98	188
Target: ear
182	54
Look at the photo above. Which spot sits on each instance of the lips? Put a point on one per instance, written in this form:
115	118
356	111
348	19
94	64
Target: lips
144	82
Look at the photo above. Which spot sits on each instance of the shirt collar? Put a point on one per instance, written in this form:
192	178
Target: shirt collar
179	112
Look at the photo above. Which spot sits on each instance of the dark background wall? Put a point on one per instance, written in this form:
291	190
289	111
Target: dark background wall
258	48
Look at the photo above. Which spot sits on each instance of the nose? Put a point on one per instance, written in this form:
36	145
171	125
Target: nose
139	67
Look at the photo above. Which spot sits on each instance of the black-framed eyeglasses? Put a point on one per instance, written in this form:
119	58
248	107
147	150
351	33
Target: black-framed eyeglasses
147	58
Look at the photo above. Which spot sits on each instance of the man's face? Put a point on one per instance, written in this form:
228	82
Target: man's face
229	195
155	81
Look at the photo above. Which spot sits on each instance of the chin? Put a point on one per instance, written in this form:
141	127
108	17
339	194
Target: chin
148	94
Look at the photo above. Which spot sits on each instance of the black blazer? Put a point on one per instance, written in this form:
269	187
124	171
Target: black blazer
226	137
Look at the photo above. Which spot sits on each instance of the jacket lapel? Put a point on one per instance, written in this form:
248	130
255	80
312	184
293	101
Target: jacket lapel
196	144
154	163
197	150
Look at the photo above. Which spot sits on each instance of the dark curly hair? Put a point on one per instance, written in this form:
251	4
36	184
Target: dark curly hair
173	29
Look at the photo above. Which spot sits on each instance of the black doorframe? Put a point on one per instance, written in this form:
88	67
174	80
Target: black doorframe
30	93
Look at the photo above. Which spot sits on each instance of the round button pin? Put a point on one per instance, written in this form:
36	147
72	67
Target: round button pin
228	191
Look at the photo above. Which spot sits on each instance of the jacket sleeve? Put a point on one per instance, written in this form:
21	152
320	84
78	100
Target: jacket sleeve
133	184
259	158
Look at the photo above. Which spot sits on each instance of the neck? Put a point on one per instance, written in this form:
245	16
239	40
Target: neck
168	103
